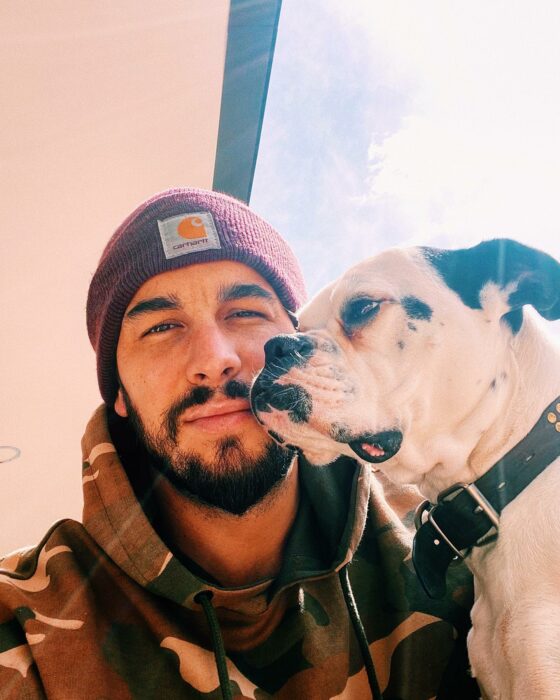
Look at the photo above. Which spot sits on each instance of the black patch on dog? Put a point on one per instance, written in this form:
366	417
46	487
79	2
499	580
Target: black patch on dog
493	384
514	320
297	401
340	433
416	308
266	395
503	262
412	326
328	347
401	344
259	402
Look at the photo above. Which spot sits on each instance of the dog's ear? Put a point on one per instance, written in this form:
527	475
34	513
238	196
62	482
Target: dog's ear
533	277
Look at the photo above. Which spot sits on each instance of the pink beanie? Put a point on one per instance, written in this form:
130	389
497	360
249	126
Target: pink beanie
174	229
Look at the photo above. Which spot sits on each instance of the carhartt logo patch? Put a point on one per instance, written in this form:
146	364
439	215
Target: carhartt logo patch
188	233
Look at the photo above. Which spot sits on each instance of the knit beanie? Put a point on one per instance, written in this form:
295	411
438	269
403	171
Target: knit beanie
173	229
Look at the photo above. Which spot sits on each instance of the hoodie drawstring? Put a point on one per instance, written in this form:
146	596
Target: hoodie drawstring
359	632
204	599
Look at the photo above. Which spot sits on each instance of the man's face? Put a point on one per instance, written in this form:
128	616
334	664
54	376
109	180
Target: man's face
191	341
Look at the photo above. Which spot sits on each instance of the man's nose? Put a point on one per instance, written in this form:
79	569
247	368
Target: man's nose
285	351
213	358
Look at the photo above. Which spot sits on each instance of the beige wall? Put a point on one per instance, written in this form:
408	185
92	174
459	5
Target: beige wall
103	105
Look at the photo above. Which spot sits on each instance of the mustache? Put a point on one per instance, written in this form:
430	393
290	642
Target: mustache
234	389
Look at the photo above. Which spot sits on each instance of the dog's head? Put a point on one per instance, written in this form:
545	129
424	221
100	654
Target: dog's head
405	359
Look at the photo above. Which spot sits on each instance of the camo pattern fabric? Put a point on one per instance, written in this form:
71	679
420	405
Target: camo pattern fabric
104	610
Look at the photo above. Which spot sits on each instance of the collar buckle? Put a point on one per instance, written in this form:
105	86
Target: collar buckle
429	508
448	529
483	505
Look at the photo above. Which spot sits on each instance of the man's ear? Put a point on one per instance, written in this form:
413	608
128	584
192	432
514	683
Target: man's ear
120	405
532	276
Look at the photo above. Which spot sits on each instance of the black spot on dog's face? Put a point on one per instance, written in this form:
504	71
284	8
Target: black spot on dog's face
340	432
267	394
401	344
493	385
296	400
416	308
328	347
412	326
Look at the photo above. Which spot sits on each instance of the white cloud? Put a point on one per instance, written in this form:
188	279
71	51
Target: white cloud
477	153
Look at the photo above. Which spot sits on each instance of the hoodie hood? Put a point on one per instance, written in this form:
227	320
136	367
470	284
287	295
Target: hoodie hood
328	527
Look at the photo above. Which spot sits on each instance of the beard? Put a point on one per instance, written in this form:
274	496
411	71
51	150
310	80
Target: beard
234	480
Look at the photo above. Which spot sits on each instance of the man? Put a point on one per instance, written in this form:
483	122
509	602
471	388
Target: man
213	562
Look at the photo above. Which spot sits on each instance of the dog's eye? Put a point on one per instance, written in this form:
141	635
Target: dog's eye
359	311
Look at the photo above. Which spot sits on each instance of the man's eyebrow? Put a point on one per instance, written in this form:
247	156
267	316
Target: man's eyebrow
154	304
242	291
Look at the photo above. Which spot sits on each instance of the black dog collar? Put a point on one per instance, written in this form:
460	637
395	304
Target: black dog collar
465	514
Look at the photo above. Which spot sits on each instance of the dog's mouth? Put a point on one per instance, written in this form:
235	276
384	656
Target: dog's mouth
378	447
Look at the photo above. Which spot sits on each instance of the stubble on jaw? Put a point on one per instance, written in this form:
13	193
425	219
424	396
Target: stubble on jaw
234	481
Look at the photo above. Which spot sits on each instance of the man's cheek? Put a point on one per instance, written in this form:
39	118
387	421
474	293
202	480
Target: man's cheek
256	360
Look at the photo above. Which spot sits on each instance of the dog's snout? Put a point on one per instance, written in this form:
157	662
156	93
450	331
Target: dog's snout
289	350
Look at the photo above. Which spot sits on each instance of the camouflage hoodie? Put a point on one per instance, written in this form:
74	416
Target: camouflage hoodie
103	609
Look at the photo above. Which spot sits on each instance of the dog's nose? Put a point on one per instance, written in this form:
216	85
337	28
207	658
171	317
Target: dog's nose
289	350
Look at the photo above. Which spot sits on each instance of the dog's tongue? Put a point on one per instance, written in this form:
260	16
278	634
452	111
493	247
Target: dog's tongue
372	450
378	447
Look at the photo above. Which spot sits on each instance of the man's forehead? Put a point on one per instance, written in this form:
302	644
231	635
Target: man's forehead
221	280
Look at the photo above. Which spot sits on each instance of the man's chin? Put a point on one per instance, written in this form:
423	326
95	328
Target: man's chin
233	452
233	480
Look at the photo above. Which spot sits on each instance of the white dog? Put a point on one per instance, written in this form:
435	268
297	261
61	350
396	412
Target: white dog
425	362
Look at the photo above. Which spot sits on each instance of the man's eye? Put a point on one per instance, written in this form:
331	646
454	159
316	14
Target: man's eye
246	313
359	311
160	328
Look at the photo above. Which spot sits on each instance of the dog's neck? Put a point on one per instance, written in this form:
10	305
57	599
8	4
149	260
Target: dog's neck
519	443
528	386
533	386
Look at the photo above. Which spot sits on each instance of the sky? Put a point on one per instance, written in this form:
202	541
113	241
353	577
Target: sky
404	123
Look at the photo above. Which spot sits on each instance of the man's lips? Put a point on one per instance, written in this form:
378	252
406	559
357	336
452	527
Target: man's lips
215	414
